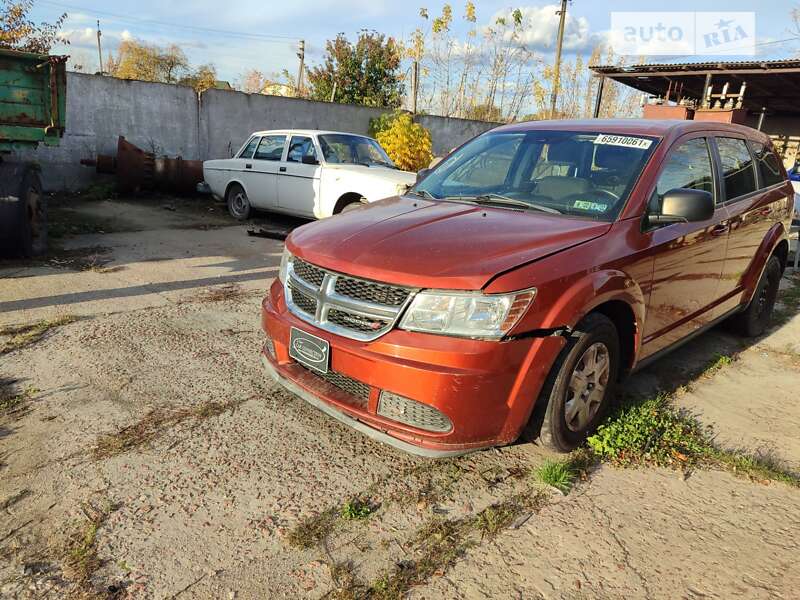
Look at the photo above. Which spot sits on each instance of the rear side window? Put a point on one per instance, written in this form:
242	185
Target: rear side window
687	166
271	147
250	148
769	166
737	167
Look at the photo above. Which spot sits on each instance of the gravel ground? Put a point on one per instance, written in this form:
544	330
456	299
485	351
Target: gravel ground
205	505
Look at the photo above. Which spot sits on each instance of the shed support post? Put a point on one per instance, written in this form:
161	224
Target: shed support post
599	98
761	118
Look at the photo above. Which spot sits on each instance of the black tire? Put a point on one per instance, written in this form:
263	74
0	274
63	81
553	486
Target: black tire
23	212
754	319
238	203
558	432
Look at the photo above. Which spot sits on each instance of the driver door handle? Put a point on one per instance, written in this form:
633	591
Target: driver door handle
282	169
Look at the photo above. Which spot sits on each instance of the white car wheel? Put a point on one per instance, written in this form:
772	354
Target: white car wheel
238	203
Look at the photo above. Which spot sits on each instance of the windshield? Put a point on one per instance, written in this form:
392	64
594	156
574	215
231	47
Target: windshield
581	174
353	149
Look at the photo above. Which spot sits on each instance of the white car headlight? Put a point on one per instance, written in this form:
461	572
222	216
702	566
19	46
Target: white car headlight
466	314
285	258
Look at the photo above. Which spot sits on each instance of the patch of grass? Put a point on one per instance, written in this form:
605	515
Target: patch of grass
347	585
789	299
356	509
97	191
78	555
559	474
440	543
652	432
23	336
231	291
720	362
312	530
656	433
13	403
153	425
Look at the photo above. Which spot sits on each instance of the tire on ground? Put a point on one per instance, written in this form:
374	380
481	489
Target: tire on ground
754	319
549	422
238	202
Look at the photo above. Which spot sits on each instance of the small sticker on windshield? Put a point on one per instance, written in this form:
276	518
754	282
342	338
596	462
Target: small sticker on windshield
626	141
585	205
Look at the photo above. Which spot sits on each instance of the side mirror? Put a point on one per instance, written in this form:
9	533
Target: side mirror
684	205
422	174
309	160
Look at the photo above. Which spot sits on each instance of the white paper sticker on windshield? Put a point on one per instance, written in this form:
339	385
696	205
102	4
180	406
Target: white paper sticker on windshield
626	141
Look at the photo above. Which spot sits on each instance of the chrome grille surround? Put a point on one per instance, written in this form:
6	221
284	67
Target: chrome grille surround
354	308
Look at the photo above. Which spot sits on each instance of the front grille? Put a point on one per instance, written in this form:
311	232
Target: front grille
371	292
308	272
422	416
305	303
344	305
356	322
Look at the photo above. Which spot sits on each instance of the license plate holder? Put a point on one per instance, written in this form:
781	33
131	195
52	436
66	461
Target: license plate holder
309	350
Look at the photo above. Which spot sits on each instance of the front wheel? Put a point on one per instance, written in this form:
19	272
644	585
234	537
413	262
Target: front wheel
580	385
238	203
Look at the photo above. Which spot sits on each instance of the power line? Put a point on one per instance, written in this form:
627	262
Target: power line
129	19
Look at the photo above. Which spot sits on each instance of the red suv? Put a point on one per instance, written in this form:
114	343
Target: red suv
524	276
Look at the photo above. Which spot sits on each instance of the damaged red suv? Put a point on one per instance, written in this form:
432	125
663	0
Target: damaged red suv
523	277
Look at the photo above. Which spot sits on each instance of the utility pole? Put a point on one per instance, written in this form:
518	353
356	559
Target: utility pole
99	49
557	71
301	54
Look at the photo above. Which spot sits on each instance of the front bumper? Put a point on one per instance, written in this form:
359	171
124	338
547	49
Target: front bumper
486	388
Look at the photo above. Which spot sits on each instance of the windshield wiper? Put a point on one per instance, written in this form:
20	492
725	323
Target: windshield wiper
500	200
422	194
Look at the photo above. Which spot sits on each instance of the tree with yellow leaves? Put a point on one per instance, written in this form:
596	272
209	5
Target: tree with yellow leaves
407	143
18	32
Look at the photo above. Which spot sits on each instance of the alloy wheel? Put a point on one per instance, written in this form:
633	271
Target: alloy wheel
587	386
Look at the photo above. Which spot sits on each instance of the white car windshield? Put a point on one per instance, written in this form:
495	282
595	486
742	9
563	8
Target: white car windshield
339	148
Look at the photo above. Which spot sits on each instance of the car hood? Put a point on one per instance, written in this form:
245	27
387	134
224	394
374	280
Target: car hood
436	244
377	172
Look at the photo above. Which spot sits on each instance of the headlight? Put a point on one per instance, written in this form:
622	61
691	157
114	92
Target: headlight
467	315
285	258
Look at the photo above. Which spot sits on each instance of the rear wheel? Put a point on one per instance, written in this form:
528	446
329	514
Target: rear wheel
580	385
753	321
238	203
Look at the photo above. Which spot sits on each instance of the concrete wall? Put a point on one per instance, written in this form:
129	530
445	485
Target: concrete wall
172	120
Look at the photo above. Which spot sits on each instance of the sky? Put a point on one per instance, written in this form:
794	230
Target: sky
239	35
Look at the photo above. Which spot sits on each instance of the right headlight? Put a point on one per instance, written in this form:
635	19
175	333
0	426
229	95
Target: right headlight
463	314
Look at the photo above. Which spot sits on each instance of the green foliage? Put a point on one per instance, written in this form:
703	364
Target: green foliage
558	474
356	509
652	432
365	72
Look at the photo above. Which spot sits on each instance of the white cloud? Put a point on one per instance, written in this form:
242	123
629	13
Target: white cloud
539	28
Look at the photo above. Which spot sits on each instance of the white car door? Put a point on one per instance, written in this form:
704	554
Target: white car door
262	171
298	178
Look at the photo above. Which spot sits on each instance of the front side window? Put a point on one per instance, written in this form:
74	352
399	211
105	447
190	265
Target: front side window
737	167
687	166
340	148
271	147
584	174
769	166
300	147
247	151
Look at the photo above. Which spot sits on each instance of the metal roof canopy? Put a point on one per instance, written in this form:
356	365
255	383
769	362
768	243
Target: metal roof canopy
772	85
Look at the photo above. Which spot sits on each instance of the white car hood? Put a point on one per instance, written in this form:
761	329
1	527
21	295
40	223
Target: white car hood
375	172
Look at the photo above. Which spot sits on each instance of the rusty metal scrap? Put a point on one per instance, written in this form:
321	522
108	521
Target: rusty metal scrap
137	170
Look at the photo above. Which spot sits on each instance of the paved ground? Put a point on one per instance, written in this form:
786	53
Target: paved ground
166	342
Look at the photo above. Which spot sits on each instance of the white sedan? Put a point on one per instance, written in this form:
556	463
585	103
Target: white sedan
304	173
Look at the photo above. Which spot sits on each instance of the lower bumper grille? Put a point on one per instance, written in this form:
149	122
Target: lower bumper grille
411	412
358	390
